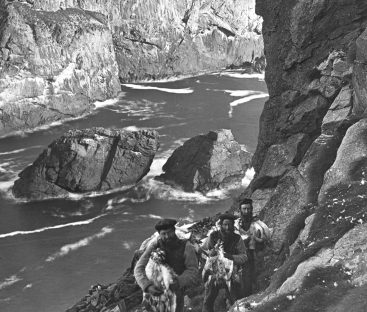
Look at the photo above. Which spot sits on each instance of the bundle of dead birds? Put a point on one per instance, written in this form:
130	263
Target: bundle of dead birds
218	267
162	275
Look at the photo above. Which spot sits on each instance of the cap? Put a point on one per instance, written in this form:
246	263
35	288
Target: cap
227	216
245	201
165	224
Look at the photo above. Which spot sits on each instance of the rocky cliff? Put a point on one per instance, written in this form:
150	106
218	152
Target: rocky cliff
56	57
311	156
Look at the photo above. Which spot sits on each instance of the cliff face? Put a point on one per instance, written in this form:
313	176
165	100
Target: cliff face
155	39
56	57
52	64
311	156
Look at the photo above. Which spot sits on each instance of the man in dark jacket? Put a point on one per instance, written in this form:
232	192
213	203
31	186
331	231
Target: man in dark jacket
233	249
180	256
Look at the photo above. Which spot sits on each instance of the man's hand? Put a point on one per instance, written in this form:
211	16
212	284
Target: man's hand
154	290
228	256
174	286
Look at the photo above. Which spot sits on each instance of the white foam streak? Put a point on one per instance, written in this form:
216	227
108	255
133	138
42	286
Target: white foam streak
241	92
20	150
128	245
65	250
11	280
248	99
5	186
109	102
60	226
250	173
258	76
28	286
168	90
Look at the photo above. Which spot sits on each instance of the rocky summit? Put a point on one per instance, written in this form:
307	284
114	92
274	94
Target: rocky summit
58	57
207	162
88	160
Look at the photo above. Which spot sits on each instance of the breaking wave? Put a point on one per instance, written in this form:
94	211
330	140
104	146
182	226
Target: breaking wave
59	226
168	90
11	280
17	151
64	250
109	102
249	98
239	75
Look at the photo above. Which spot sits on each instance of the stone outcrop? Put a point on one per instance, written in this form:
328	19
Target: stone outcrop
57	57
88	160
206	162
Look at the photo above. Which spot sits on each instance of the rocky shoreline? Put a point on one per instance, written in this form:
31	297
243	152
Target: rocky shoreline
58	57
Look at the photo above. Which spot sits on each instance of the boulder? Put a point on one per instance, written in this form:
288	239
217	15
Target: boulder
350	165
283	209
88	160
281	157
339	111
206	162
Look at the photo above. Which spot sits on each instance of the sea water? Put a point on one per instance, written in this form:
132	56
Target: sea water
52	251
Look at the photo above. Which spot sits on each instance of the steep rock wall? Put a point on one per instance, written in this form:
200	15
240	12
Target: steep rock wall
311	153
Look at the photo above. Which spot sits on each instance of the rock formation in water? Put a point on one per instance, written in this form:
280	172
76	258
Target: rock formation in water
312	154
58	56
88	160
206	162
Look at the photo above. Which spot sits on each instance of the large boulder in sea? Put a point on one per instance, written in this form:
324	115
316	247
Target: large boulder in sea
95	159
206	162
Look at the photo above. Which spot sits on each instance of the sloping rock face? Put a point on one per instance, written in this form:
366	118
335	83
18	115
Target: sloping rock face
207	162
154	39
56	57
311	155
52	64
88	160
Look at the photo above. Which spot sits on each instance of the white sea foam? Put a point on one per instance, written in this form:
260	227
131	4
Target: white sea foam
109	102
250	173
59	226
5	186
27	286
241	92
9	281
169	90
238	75
163	191
245	100
132	128
65	250
128	245
17	151
248	99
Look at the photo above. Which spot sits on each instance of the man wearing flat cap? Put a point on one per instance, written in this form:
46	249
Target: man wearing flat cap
180	256
233	249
